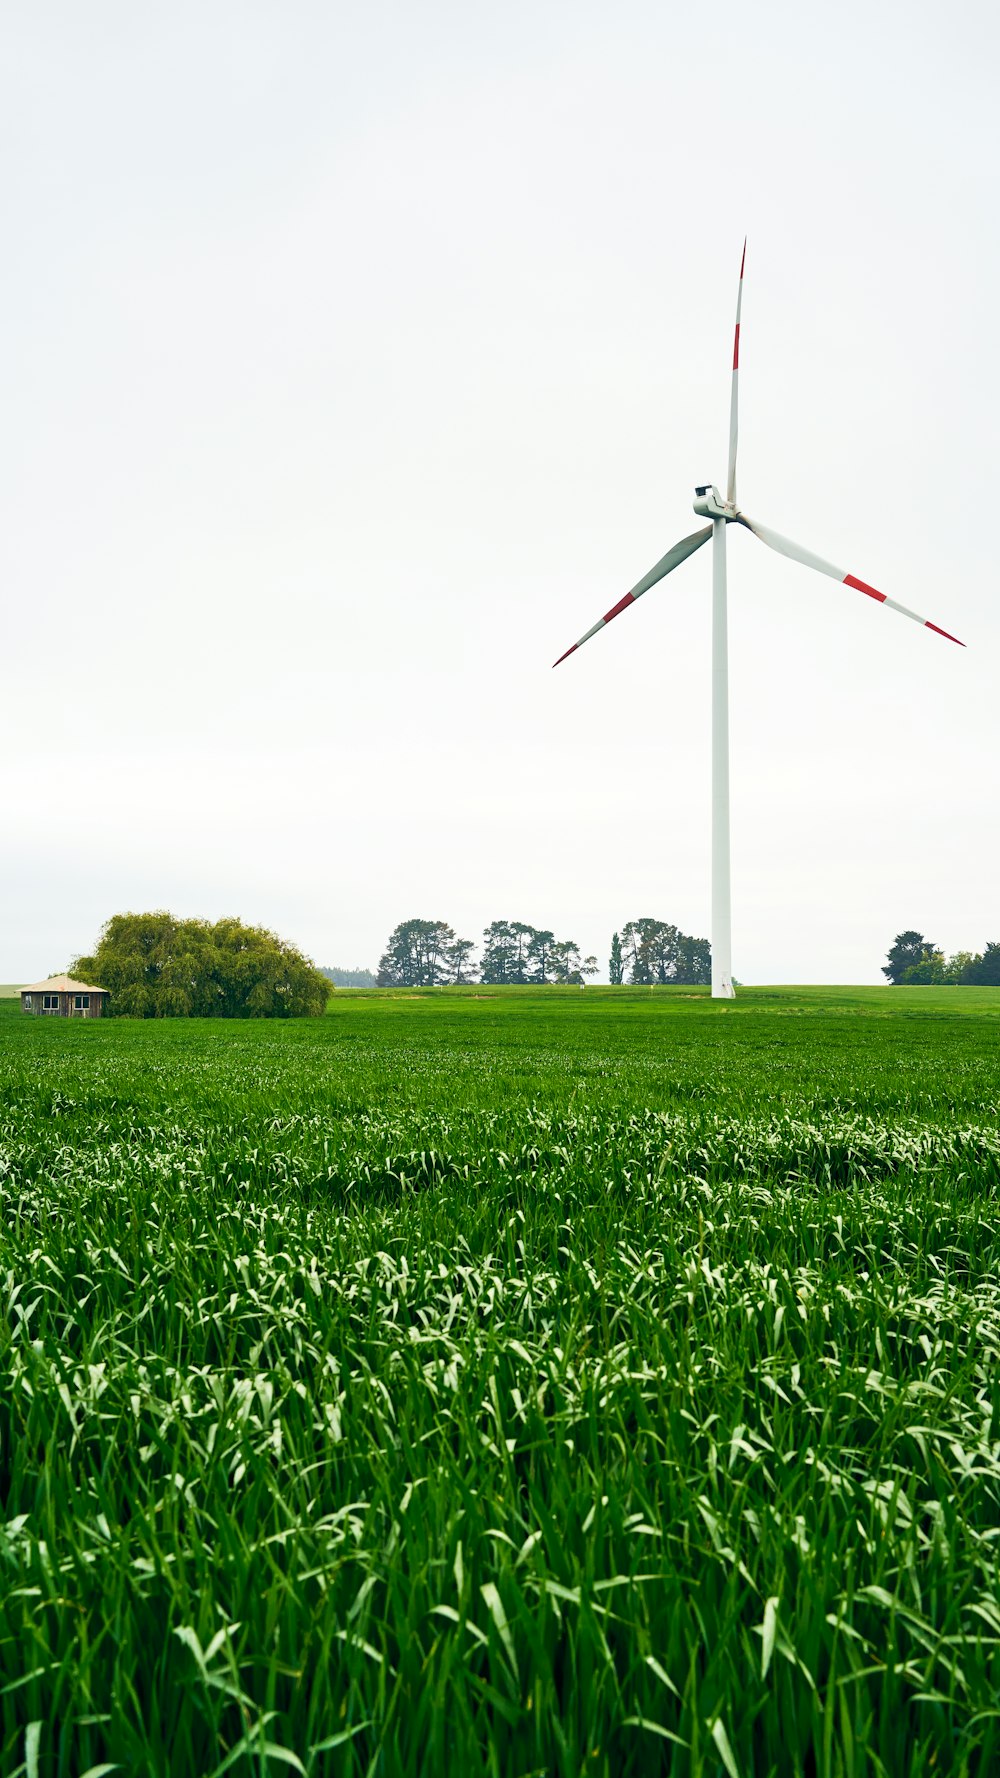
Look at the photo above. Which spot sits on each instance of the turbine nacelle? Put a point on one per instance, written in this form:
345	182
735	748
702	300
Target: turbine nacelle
709	504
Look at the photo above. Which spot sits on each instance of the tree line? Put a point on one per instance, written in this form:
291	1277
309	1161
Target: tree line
653	953
915	961
428	954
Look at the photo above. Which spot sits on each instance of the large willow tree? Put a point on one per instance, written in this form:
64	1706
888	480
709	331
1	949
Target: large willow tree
154	966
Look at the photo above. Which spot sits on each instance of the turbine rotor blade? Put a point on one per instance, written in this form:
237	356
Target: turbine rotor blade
673	559
734	404
796	553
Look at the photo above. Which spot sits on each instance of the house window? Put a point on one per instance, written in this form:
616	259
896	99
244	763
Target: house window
27	1000
50	1003
82	1002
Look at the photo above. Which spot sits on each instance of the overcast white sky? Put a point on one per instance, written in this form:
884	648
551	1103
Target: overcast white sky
355	358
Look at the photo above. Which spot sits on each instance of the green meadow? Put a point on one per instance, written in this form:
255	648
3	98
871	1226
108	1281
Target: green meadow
522	1383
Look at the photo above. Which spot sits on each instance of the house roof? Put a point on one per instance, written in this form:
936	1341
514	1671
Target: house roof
61	984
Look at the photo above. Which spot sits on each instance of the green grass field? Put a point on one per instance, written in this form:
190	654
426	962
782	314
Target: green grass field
508	1384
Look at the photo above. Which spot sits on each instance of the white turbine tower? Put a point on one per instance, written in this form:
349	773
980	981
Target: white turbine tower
709	504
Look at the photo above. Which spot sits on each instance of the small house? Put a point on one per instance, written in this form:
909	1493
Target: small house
63	998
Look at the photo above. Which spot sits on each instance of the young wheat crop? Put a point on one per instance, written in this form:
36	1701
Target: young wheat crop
547	1384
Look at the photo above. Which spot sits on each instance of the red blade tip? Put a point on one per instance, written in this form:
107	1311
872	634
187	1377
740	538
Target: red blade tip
569	651
945	633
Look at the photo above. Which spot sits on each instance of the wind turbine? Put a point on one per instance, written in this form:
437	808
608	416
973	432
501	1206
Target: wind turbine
709	504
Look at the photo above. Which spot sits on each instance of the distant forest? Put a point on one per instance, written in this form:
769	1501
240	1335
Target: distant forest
349	978
915	962
428	954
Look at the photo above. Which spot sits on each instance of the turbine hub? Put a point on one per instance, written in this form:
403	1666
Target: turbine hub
709	504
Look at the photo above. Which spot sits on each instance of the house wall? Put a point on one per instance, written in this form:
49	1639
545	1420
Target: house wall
66	1007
